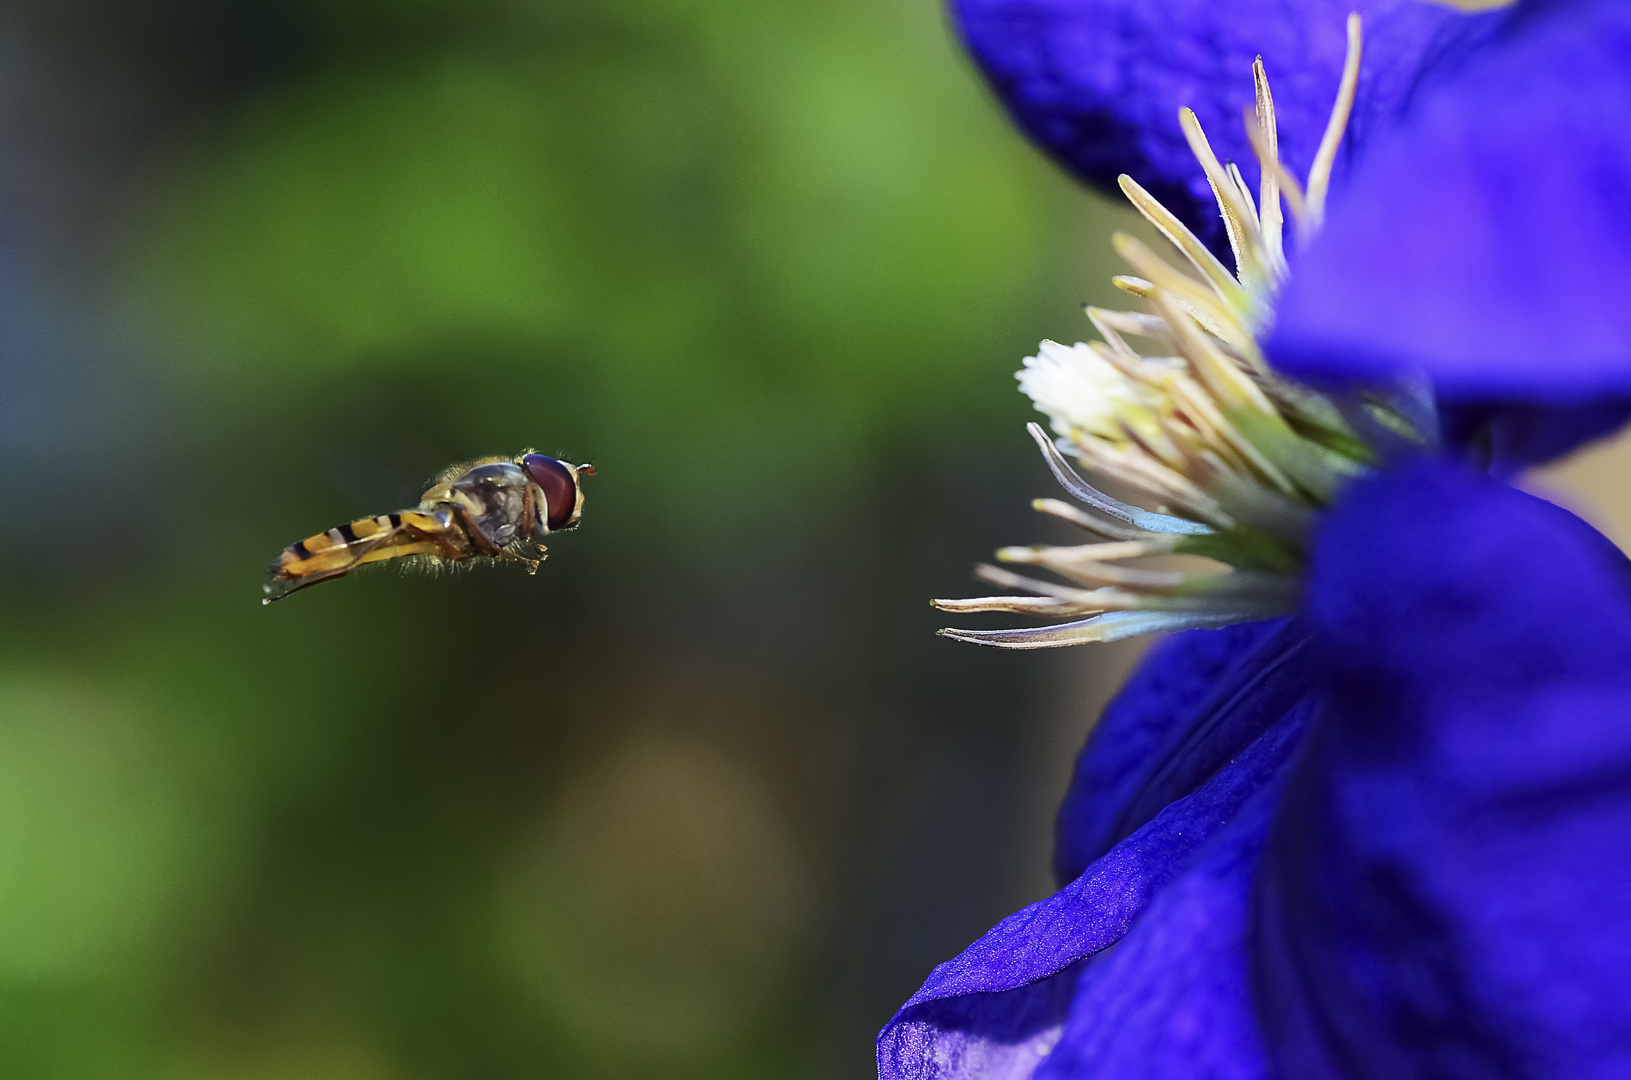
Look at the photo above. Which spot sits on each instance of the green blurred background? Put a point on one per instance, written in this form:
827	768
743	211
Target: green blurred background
705	798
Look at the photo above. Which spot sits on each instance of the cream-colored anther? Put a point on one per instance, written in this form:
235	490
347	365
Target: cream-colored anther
1267	145
1319	175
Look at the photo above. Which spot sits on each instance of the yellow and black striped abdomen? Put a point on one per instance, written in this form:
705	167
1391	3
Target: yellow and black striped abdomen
340	550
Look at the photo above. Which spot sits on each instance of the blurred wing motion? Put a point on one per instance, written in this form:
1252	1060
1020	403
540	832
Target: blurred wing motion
498	509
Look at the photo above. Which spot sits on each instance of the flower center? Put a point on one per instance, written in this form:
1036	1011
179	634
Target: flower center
1223	457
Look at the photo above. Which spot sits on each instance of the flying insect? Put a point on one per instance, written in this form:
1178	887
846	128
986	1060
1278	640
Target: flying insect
494	508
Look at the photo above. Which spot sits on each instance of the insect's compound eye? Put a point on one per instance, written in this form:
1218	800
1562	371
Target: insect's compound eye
560	490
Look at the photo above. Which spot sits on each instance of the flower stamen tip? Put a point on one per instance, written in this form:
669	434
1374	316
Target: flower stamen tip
1231	459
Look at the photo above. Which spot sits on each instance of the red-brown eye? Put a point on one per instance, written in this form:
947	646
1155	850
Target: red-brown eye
560	490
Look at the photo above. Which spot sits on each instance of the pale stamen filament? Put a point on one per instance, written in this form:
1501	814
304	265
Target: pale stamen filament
1207	431
1013	605
1108	598
1064	511
1119	352
1129	322
1244	240
1191	295
1204	313
1319	176
1211	268
1267	145
1246	201
1091	565
1143	521
1112	626
1287	185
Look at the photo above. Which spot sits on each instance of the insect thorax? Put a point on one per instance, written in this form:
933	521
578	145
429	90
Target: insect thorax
493	497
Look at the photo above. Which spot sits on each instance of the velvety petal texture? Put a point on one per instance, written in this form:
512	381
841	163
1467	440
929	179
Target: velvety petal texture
999	1009
1172	999
1195	702
1098	83
1390	838
1486	240
1445	894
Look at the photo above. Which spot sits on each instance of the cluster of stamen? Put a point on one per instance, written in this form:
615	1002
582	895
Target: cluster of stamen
1231	459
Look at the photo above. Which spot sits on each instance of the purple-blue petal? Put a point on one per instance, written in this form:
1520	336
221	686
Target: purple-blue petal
1098	83
999	1008
1486	240
1196	701
1172	1000
1445	891
1512	436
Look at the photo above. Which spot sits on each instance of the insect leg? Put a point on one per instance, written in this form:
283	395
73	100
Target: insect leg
508	554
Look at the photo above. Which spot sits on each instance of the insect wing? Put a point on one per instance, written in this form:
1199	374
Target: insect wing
337	552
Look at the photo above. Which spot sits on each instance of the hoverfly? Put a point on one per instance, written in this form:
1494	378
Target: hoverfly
492	508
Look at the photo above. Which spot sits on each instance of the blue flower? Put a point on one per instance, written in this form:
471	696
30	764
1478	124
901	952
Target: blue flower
1417	864
1485	241
1390	835
1444	887
1452	112
1098	83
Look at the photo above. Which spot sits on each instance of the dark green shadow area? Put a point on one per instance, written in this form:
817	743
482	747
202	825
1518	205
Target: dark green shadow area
705	797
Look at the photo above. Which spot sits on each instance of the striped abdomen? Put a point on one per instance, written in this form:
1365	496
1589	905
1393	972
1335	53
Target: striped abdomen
341	550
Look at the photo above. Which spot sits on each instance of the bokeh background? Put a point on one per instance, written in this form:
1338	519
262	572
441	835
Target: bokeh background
705	798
